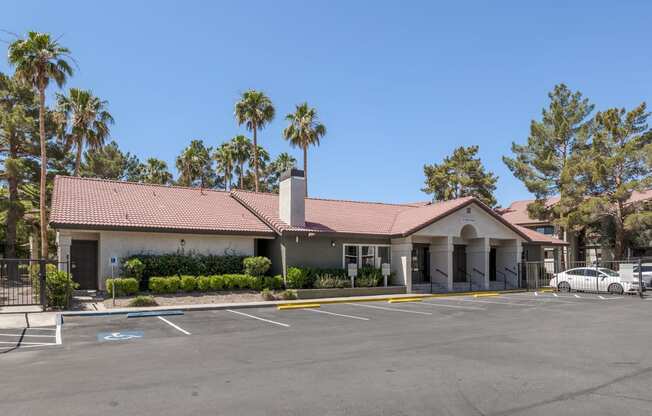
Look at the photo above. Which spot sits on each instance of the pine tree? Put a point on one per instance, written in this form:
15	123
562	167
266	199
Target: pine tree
460	175
548	164
614	166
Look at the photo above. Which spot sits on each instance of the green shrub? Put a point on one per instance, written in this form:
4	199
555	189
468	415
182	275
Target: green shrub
172	284
157	285
256	266
188	283
143	300
123	286
133	267
203	283
267	294
187	264
327	281
289	294
273	283
162	285
217	283
59	287
369	277
297	278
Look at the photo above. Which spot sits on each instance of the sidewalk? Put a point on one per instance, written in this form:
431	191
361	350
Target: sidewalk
27	319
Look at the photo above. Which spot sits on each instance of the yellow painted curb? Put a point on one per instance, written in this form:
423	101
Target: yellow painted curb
485	295
399	300
546	290
298	306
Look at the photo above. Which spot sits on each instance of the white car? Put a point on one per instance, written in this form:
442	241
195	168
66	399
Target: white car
631	271
594	279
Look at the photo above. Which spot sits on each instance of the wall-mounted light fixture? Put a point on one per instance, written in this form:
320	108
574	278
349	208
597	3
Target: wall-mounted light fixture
182	242
296	239
332	243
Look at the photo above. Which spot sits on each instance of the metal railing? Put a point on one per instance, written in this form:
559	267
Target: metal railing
633	276
22	281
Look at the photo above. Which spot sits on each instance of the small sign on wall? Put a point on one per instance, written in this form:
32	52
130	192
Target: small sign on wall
114	260
386	271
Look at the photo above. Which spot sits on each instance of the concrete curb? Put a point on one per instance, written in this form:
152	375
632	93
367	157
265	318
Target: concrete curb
271	304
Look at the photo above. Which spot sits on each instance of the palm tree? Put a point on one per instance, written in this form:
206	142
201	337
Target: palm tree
304	130
224	157
156	172
193	163
254	110
241	148
88	118
283	162
39	59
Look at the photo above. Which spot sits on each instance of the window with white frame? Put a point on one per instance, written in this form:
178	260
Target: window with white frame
371	255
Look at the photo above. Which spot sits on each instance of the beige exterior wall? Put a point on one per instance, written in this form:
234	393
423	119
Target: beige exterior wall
121	244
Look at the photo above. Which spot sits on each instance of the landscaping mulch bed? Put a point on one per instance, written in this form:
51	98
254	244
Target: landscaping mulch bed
193	298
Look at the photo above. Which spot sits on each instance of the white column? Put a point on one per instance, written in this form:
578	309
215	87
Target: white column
487	250
63	249
478	259
402	263
441	258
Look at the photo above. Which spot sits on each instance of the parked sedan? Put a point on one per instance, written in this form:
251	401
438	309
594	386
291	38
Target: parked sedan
631	272
592	279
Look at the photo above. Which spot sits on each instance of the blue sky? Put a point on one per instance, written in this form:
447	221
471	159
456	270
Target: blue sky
398	84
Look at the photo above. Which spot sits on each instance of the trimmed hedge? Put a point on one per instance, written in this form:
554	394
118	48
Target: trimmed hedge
185	265
123	287
174	284
297	278
59	287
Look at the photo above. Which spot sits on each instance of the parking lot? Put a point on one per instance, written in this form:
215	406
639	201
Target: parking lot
516	354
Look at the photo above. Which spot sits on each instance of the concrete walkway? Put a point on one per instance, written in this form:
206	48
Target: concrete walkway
27	320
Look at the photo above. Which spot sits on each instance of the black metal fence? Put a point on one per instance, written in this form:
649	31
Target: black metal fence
633	276
22	281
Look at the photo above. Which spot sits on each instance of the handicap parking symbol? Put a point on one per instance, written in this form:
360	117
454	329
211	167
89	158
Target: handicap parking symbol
119	336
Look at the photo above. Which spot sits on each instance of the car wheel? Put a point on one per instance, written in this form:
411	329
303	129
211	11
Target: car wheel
564	287
615	289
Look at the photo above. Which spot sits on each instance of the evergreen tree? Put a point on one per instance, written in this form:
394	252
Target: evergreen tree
613	167
460	175
548	164
109	162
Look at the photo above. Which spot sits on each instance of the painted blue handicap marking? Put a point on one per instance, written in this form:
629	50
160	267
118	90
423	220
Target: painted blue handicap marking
119	336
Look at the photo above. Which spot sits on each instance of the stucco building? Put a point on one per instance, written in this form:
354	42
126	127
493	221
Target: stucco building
455	245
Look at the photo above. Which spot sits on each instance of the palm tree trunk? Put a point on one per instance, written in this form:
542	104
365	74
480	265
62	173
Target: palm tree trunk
44	161
241	175
305	167
78	157
255	159
12	209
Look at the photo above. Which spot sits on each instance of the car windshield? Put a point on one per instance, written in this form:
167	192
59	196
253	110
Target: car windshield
609	272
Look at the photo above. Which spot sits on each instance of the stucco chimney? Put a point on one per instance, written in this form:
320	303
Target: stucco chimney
292	194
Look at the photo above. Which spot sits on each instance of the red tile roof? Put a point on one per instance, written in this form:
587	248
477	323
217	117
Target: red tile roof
369	218
517	213
107	204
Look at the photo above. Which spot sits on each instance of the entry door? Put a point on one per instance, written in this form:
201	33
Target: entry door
83	254
459	263
492	264
420	264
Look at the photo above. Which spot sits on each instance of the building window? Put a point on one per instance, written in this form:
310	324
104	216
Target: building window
545	229
366	255
350	255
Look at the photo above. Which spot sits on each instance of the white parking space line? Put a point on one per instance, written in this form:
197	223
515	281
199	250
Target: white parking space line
336	314
27	343
491	302
469	308
390	309
258	318
175	326
578	296
31	328
28	335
